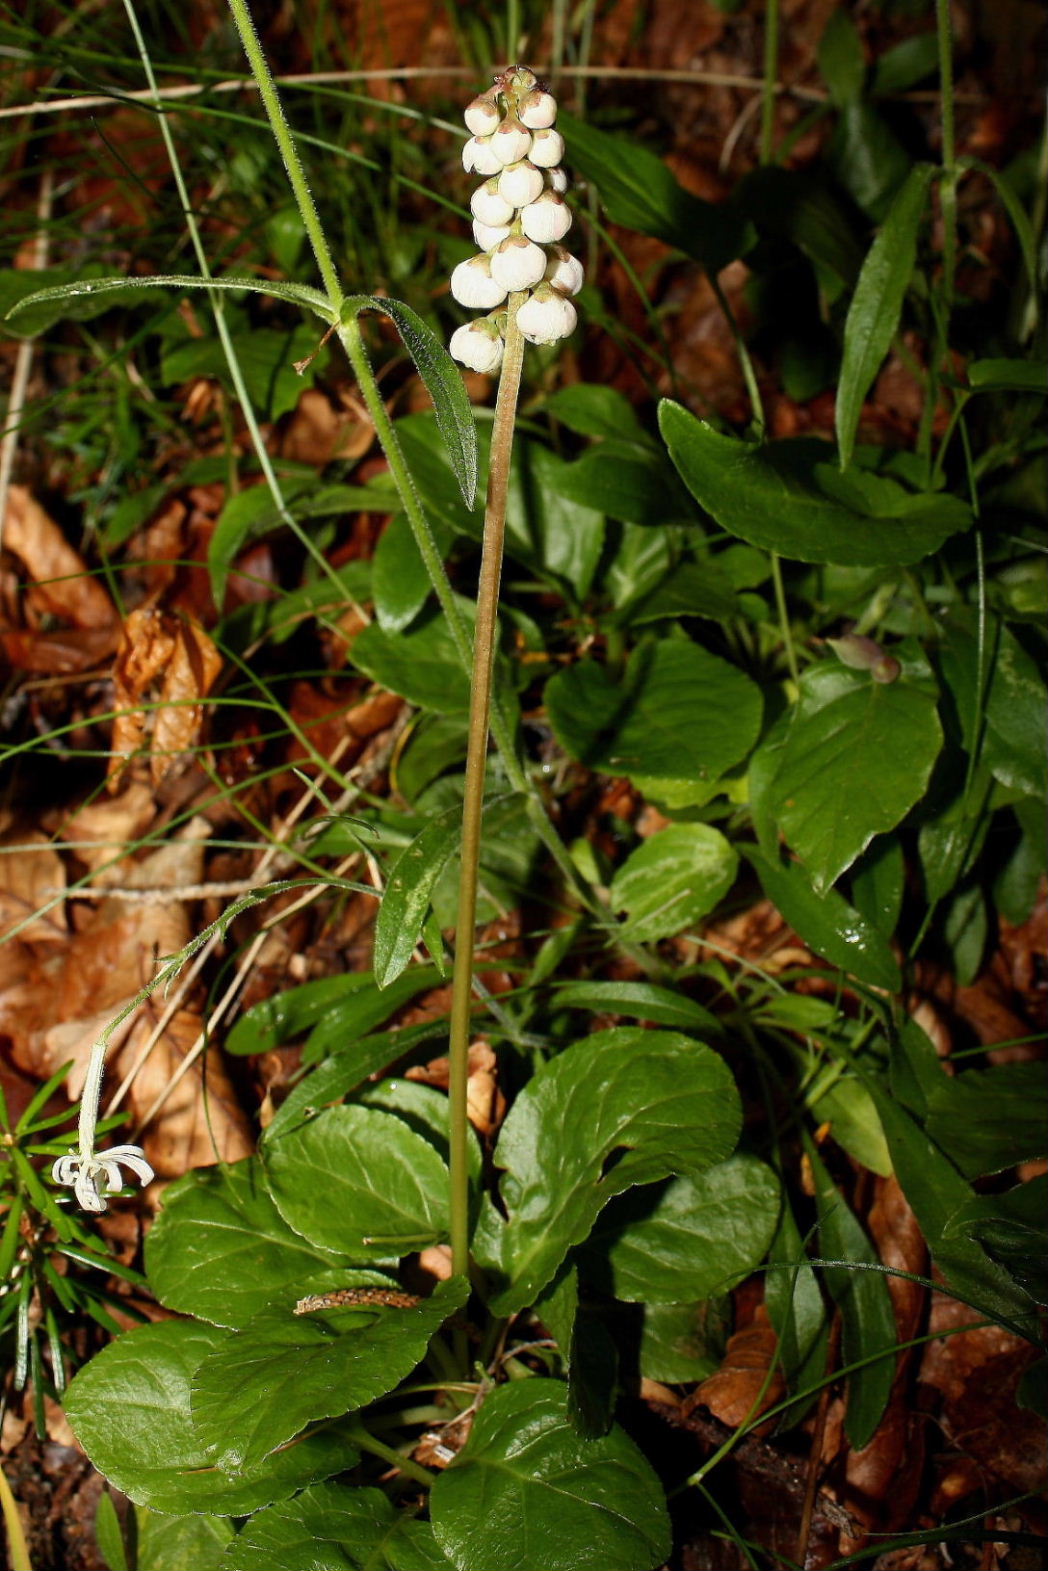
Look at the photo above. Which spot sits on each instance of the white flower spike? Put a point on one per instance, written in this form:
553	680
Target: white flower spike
518	212
93	1178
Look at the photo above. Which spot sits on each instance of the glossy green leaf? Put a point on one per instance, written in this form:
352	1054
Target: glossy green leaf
421	664
1013	740
1010	1228
867	159
842	59
663	1006
592	409
181	1543
683	1343
406	898
1007	376
130	1410
848	1108
628	482
443	382
857	756
679	713
868	1319
337	1529
905	64
365	1008
359	1182
425	1110
672	879
548	525
686	1239
526	1491
789	497
878	882
987	1120
343	1071
263	1384
795	1304
220	1249
873	316
400	584
658	1102
827	923
298	1011
638	190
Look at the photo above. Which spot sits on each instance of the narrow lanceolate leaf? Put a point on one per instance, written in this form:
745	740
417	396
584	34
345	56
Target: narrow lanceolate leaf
130	1410
527	1493
673	879
873	315
659	1102
262	1385
443	383
60	294
411	882
865	1305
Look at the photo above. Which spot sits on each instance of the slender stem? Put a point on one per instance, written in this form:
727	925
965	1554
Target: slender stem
949	153
476	761
771	71
404	1464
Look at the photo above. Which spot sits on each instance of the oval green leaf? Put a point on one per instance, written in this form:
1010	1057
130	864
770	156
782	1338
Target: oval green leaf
789	497
673	879
130	1410
338	1528
411	882
526	1491
360	1182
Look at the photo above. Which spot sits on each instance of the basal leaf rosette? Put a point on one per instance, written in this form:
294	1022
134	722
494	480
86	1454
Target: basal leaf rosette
519	218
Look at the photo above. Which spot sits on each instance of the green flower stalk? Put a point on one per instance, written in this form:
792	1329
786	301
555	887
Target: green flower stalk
519	216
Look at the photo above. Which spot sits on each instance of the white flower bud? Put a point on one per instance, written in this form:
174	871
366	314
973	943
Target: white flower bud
481	116
546	317
478	158
518	263
489	207
511	142
564	272
488	236
520	184
472	284
538	110
548	218
547	148
478	345
558	180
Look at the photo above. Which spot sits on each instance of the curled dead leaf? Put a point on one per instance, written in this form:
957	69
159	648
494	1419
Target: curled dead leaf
734	1392
169	664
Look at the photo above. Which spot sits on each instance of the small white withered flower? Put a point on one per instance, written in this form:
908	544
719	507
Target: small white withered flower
546	317
478	345
511	142
482	115
548	218
520	183
489	207
538	109
488	236
478	157
93	1178
472	284
557	180
547	148
564	272
518	263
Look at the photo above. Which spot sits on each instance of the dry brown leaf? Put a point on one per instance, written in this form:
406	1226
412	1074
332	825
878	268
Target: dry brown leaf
319	431
732	1391
100	829
31	874
485	1103
62	586
170	664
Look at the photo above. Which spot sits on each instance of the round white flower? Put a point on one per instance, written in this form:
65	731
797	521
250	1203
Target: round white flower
477	345
517	263
547	148
520	184
546	317
538	110
548	218
489	207
478	158
558	180
481	116
564	272
473	285
511	142
488	236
